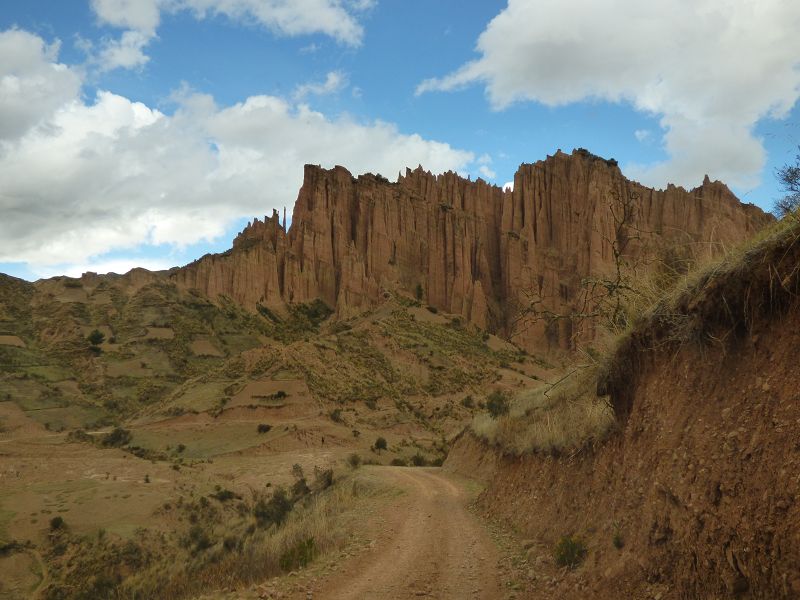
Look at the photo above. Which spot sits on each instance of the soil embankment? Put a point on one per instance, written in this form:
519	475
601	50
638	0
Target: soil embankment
697	495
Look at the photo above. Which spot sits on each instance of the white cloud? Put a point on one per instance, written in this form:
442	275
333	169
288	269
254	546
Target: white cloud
334	81
508	185
710	69
85	178
32	82
643	135
138	15
140	18
127	52
486	172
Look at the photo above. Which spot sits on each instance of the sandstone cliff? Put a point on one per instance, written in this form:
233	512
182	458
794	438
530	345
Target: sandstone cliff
470	248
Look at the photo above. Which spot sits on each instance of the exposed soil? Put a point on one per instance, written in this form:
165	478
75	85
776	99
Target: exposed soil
424	543
698	495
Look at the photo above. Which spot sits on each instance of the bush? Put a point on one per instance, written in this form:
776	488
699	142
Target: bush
57	523
299	555
399	462
117	438
96	337
300	489
498	404
371	404
354	460
418	460
468	402
223	495
273	511
263	428
380	444
336	415
570	552
419	292
323	479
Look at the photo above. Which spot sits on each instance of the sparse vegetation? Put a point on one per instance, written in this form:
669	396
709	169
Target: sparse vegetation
263	428
354	460
273	511
550	419
117	438
380	444
570	552
497	403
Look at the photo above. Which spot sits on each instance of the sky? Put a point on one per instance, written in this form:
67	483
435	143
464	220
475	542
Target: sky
149	132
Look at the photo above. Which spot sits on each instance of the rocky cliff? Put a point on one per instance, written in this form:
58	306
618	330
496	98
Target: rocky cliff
468	248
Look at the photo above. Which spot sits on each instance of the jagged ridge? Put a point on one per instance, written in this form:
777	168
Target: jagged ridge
472	248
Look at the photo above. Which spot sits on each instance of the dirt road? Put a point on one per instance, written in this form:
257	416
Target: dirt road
427	544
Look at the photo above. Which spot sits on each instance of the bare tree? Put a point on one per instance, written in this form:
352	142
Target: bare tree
789	178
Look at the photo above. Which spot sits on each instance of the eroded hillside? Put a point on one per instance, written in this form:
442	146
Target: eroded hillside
470	248
694	495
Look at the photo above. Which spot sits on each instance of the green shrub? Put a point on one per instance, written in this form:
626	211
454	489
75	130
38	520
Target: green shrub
299	555
498	404
468	402
380	444
263	428
399	462
274	510
57	523
354	460
223	495
570	552
418	460
96	337
117	438
336	415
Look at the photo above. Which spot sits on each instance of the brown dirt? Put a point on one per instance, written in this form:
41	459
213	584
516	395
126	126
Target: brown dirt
425	543
11	340
701	484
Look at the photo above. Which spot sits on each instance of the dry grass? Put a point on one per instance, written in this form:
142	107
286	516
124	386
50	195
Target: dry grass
717	302
550	419
230	550
260	555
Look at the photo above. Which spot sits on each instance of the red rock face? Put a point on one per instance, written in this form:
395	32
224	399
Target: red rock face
471	248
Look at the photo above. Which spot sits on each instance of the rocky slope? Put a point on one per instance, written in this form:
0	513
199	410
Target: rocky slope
468	248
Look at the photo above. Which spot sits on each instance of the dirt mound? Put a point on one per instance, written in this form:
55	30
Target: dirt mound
697	495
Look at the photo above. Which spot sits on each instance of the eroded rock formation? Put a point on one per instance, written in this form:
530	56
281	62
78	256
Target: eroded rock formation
468	247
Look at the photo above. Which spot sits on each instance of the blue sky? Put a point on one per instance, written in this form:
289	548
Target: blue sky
149	131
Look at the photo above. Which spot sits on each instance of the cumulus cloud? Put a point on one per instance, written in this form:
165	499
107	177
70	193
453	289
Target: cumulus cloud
32	82
82	178
710	69
334	82
140	18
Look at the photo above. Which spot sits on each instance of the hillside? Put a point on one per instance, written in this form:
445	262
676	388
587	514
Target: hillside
217	423
693	493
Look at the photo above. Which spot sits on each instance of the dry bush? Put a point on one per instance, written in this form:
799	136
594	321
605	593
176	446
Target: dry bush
717	302
550	419
260	553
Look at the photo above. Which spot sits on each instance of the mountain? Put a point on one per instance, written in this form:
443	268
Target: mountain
469	248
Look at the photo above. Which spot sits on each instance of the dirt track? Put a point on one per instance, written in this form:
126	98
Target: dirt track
427	544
